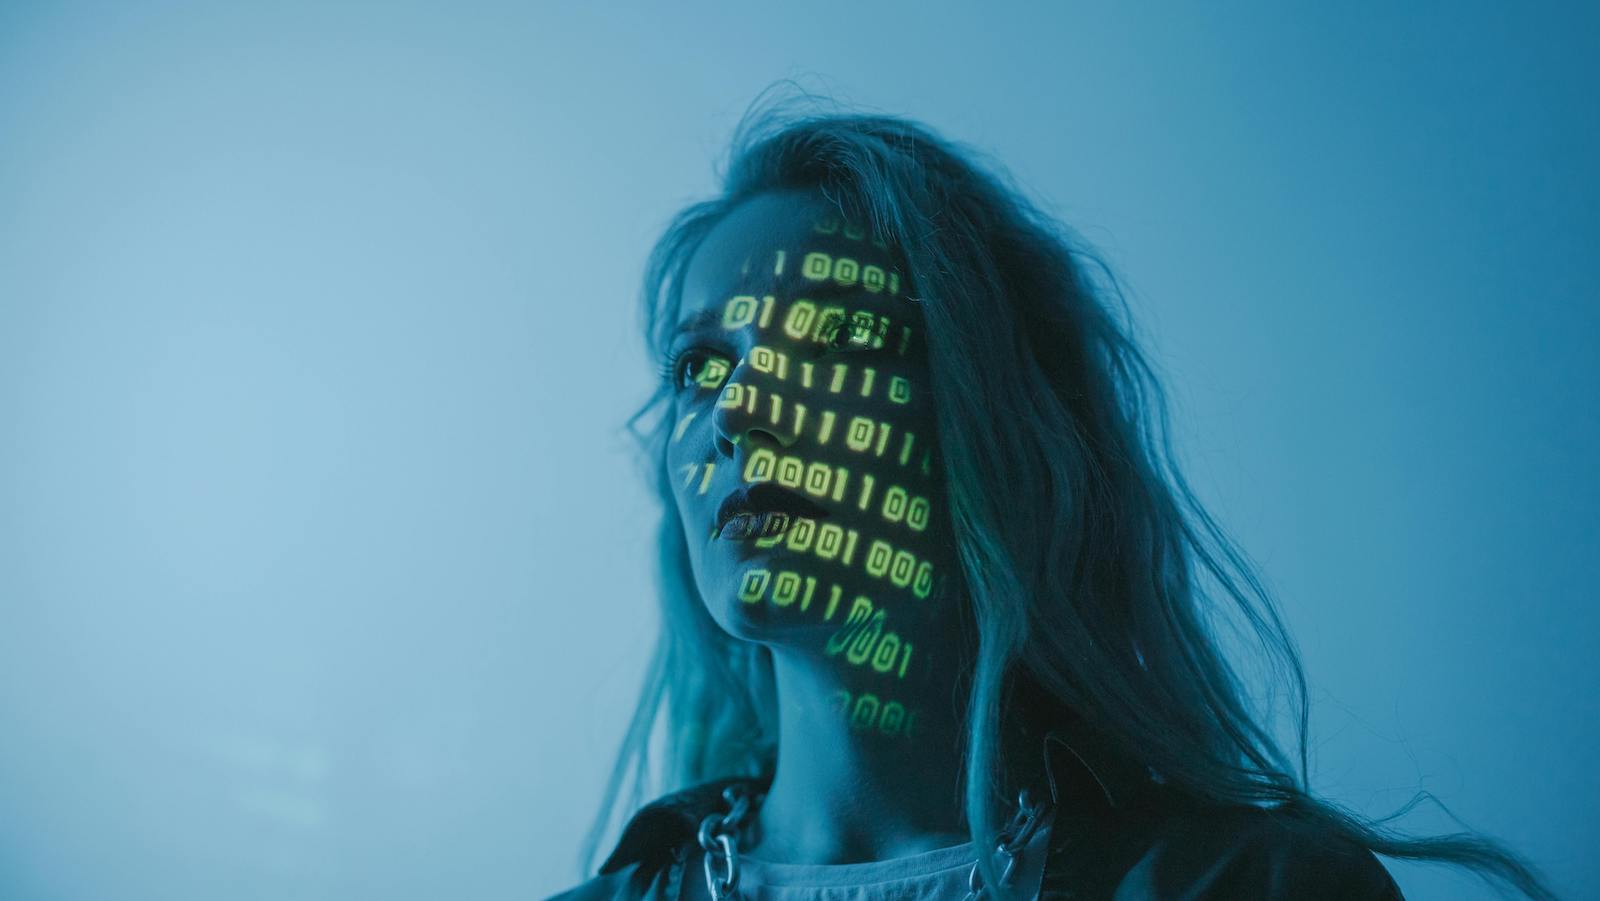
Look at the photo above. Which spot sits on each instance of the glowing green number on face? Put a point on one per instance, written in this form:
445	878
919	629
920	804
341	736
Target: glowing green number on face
853	231
739	311
797	322
917	516
899	390
893	715
878	557
790	472
859	437
872	278
801	533
761	462
860	612
817	266
818	476
922	583
711	376
865	713
828	319
785	588
761	359
846	270
827	225
829	536
864	330
894	503
888	648
753	585
901	569
865	638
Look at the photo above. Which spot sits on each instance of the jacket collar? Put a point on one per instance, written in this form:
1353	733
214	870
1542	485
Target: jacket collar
671	821
1082	774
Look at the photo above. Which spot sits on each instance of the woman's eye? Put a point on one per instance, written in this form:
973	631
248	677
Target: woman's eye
697	368
689	366
846	336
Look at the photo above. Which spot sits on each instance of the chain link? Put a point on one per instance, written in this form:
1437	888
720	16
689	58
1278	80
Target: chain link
719	836
1013	839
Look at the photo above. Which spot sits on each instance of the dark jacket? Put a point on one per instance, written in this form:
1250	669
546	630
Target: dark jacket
1119	835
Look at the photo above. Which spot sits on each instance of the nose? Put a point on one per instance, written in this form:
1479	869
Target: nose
751	413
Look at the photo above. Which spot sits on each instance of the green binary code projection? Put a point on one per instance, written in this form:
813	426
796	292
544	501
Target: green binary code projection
814	345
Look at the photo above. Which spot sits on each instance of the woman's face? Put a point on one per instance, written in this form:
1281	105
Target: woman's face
803	441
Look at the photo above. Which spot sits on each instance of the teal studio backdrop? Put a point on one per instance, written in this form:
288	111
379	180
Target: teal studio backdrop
323	559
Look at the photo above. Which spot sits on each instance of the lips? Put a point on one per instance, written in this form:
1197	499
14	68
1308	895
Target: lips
763	498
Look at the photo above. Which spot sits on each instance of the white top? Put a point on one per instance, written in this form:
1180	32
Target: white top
937	875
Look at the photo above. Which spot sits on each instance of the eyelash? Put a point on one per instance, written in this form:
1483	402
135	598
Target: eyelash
846	327
669	368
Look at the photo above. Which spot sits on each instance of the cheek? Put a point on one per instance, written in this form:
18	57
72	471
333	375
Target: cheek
692	472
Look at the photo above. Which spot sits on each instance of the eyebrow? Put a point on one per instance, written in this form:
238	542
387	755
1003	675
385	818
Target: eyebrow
701	321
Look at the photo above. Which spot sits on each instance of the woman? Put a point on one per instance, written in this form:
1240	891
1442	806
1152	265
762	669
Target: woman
931	583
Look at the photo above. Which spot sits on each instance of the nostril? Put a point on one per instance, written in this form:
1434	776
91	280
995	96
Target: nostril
751	440
763	438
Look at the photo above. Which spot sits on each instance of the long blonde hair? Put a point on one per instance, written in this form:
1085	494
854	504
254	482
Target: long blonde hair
1094	575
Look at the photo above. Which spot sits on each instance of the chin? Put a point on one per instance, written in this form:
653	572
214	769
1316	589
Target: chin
767	624
761	599
756	616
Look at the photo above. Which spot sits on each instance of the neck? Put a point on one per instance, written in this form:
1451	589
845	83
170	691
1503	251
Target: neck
851	786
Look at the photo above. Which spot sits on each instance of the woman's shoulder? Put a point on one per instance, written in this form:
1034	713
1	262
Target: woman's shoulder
1241	851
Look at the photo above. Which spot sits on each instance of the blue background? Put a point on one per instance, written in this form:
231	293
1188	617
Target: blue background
322	555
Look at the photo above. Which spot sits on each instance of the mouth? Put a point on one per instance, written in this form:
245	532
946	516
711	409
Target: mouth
762	510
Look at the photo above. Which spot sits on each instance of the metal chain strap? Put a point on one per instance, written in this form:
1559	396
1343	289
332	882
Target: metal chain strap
719	836
1013	839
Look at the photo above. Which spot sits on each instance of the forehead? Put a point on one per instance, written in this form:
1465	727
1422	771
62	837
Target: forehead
755	228
757	248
